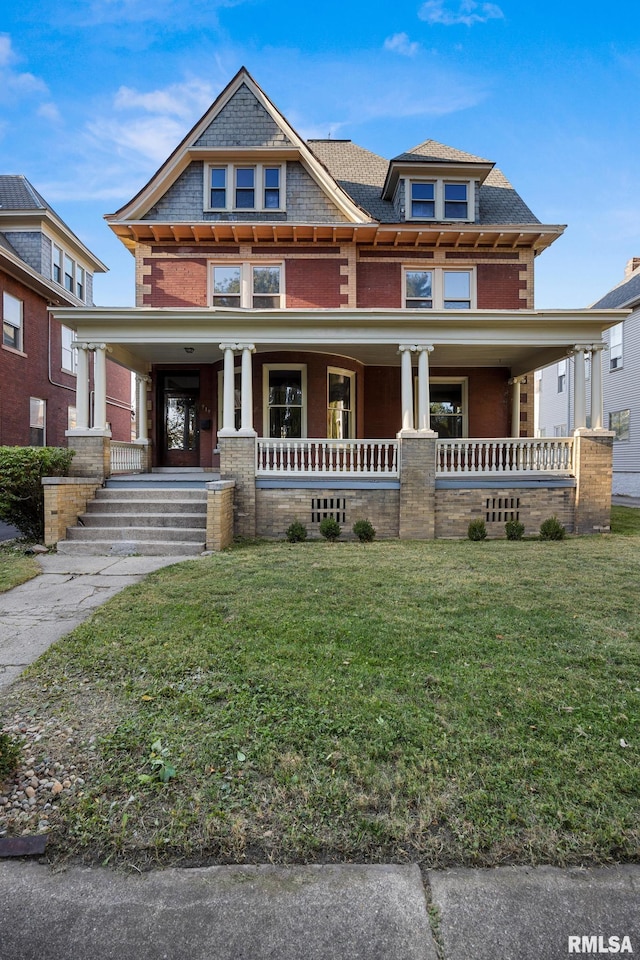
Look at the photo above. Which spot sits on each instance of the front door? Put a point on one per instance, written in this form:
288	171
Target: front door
179	425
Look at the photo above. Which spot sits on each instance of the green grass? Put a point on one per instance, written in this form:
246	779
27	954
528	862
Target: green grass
15	567
442	702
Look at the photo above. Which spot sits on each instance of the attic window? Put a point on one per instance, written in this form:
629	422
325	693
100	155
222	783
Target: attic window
230	187
439	200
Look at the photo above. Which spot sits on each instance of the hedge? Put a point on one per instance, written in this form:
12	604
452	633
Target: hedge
21	492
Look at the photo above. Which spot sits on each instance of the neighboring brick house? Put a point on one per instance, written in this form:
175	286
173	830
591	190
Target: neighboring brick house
621	386
334	331
43	264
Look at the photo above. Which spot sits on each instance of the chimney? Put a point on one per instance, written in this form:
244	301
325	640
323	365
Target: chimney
632	266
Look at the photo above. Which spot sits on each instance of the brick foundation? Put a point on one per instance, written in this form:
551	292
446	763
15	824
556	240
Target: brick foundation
278	507
238	462
456	507
65	499
219	514
92	456
417	487
593	454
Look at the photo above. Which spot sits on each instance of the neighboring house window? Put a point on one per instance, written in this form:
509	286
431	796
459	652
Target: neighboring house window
37	422
57	264
245	187
619	422
439	289
340	404
439	200
68	273
285	389
80	282
560	430
562	381
69	353
12	317
250	285
615	347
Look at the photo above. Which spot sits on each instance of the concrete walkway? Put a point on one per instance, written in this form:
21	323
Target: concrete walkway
40	611
334	912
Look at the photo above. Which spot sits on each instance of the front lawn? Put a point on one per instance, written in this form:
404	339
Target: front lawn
442	702
15	567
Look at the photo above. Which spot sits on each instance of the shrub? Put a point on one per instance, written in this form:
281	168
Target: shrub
552	529
364	531
330	529
514	530
477	530
296	532
21	493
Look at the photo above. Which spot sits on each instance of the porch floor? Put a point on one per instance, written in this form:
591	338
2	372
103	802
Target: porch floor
170	479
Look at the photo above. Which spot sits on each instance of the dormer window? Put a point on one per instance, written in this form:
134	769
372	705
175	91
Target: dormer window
439	200
233	186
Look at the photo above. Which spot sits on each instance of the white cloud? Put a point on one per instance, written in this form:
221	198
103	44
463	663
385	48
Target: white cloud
468	12
184	100
12	82
400	43
49	111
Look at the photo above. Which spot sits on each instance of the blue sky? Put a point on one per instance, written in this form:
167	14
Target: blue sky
95	94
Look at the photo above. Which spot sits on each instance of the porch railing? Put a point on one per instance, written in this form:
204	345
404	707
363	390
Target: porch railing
126	457
327	458
505	456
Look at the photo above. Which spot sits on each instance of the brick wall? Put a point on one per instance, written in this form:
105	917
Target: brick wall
500	287
314	283
277	508
65	499
238	463
379	284
594	467
220	495
417	479
455	508
176	282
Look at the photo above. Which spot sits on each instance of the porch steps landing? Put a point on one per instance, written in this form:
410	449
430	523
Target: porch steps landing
133	515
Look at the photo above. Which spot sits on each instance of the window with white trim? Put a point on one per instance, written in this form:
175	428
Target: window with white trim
440	199
448	410
241	186
340	403
257	286
69	359
12	321
562	381
619	422
439	289
285	401
615	347
68	273
37	422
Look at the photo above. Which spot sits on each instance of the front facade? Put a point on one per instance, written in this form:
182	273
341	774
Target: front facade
621	388
319	325
42	263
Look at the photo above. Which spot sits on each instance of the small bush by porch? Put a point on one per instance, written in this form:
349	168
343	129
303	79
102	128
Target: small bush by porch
389	701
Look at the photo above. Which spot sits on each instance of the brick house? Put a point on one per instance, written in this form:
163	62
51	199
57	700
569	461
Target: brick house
43	264
329	331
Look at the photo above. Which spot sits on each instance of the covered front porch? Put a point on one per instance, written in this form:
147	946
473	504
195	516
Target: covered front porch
418	421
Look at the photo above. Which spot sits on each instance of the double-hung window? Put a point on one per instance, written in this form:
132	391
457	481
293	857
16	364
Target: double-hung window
340	403
615	347
440	200
68	273
439	289
619	422
257	286
37	422
69	353
562	379
236	186
12	318
285	388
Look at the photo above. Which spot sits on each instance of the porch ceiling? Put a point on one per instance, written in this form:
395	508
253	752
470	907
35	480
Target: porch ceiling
518	340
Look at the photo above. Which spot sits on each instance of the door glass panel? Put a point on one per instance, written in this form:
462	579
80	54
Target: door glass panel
339	412
180	423
446	409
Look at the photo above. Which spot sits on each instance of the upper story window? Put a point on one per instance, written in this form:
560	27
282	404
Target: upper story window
68	273
615	347
257	286
562	382
439	289
12	317
245	187
439	200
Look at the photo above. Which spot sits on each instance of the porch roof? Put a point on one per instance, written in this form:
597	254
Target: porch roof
518	340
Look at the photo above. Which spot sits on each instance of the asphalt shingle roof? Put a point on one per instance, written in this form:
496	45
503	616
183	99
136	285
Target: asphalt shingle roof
626	293
16	193
362	174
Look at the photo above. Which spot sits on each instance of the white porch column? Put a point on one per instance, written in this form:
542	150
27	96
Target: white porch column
142	433
424	416
246	390
405	350
515	383
82	386
228	391
99	386
579	388
596	386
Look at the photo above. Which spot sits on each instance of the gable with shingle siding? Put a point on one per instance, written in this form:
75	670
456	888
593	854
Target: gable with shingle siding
243	122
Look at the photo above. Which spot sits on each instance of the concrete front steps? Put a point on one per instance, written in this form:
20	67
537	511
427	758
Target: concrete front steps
148	519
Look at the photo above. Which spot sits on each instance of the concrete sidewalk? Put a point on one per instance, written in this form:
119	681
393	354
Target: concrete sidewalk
40	611
334	912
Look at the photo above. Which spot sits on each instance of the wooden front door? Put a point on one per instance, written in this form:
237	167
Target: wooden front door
179	427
